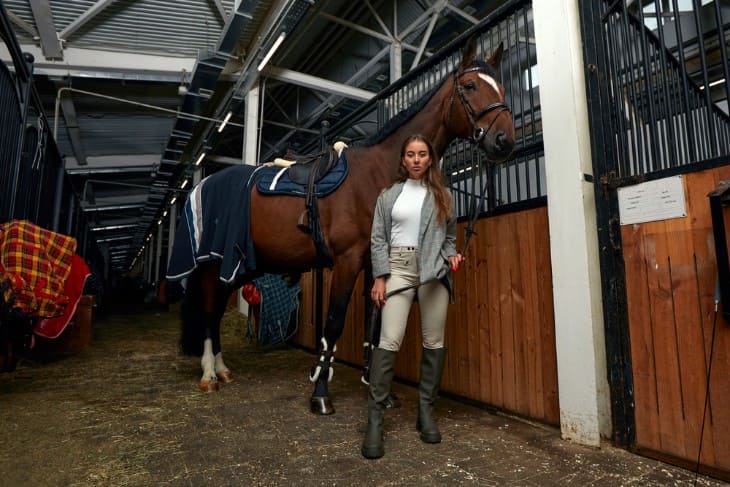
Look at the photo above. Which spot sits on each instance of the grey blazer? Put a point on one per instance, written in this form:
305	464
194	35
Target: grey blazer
436	241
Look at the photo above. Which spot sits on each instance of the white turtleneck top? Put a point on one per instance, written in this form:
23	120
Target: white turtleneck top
406	214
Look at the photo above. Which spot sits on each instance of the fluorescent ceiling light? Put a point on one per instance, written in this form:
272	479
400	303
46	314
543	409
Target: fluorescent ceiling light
184	183
271	52
714	83
200	158
225	121
173	200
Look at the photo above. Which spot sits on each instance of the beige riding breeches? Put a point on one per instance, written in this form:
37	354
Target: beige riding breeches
433	301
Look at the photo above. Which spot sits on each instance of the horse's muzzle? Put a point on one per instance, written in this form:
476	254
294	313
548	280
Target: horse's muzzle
499	147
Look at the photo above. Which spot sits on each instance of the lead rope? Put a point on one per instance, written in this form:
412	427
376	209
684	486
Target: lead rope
707	382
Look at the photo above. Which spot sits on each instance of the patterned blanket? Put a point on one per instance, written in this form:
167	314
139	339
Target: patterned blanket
279	304
36	263
73	289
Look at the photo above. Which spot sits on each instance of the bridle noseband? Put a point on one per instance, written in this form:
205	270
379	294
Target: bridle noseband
478	132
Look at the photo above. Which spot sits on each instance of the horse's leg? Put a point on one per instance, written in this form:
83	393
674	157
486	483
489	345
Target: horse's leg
346	268
211	293
223	373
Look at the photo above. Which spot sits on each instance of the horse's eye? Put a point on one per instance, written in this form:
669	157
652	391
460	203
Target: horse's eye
470	86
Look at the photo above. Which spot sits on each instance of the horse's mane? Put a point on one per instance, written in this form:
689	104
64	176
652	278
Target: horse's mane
403	116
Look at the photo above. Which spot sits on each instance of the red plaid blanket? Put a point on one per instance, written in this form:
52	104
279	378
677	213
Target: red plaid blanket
37	263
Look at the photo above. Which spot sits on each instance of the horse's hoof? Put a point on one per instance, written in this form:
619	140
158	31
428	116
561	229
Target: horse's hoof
321	406
209	385
226	376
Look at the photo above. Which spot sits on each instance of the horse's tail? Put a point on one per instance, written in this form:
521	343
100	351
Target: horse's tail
192	330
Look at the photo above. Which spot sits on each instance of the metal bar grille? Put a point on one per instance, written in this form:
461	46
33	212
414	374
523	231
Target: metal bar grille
666	82
29	175
469	176
11	125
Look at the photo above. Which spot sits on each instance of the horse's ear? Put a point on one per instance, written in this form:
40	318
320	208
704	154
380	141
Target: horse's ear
469	53
497	56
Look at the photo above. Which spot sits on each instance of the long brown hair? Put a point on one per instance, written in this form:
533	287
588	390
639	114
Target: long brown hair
433	177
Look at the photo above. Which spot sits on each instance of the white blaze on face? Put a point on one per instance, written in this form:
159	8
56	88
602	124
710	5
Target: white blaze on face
491	81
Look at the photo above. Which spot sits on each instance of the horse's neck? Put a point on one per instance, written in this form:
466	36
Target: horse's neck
383	158
431	121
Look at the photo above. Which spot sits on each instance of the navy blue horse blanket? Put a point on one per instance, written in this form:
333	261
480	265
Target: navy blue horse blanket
215	223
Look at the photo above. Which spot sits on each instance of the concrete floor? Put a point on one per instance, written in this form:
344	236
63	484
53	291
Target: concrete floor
127	412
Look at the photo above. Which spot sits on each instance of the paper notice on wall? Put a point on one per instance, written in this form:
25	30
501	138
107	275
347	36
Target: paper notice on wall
652	201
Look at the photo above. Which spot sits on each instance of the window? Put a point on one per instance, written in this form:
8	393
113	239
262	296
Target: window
529	78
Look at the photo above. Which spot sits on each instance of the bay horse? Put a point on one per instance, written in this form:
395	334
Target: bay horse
469	104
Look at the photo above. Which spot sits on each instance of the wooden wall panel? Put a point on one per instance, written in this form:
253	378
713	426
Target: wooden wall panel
670	280
500	332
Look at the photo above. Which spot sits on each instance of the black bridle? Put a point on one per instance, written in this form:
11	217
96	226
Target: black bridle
478	132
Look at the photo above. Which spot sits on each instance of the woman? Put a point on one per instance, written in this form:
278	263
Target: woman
412	249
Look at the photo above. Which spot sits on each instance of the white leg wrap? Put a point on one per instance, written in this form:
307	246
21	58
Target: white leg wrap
322	359
220	366
207	361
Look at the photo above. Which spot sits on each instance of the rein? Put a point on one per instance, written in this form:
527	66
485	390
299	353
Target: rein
478	132
476	204
478	135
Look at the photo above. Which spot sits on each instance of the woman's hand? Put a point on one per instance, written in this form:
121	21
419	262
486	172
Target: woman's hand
455	261
378	292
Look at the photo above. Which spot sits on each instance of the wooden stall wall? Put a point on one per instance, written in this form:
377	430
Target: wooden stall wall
500	332
670	280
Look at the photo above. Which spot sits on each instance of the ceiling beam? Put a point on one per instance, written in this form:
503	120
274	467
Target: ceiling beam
436	8
326	104
462	14
319	84
102	208
115	239
72	128
103	64
369	32
424	40
292	127
82	19
220	10
107	228
43	17
89	171
378	19
118	162
358	28
22	24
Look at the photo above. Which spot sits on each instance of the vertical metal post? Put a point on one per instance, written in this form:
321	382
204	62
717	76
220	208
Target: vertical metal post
613	278
172	227
158	254
25	103
70	214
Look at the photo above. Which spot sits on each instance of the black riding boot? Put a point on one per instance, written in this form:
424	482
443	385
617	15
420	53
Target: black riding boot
432	365
381	375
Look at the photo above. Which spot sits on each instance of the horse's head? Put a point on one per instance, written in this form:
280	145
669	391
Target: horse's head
477	109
